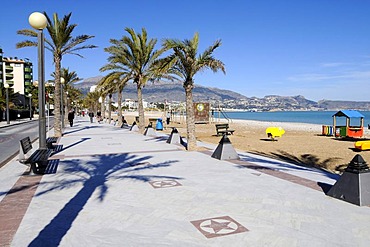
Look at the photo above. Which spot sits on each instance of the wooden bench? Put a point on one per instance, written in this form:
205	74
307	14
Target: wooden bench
38	160
153	121
50	141
223	129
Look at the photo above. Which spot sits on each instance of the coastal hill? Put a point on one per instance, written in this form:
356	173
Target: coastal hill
336	104
170	91
173	91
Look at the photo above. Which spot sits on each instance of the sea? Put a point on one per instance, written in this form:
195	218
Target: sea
312	117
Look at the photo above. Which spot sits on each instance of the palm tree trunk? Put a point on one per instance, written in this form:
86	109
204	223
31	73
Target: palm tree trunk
190	122
66	108
141	109
57	121
119	107
102	106
109	108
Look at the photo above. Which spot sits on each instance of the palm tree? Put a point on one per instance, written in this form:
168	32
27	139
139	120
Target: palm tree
185	63
106	87
103	96
61	42
69	79
11	96
135	55
74	97
114	82
2	98
91	101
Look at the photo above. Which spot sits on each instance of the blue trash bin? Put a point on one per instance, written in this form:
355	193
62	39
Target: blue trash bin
159	125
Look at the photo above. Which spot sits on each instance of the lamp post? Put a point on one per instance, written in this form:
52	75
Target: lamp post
67	103
61	100
48	112
38	21
6	85
30	97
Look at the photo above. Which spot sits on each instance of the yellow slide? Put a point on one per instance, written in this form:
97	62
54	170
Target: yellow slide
274	132
362	145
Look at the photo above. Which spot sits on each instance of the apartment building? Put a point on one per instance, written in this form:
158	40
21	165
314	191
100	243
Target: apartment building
18	74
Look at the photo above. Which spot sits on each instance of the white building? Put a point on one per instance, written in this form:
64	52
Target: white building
92	89
17	73
133	104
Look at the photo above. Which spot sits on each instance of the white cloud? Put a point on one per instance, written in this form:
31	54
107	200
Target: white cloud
314	77
348	75
332	65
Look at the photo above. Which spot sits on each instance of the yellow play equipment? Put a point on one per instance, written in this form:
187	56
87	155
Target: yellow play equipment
362	145
274	132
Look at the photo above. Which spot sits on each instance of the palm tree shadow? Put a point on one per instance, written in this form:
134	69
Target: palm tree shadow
93	175
61	148
80	129
305	161
165	138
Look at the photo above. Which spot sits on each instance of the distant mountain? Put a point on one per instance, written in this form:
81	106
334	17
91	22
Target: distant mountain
174	91
337	105
276	103
170	91
85	84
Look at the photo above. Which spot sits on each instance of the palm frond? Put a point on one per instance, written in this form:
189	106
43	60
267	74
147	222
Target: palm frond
27	32
26	43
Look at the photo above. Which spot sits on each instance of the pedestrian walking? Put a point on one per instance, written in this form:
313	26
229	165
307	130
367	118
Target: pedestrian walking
98	116
168	118
71	116
91	115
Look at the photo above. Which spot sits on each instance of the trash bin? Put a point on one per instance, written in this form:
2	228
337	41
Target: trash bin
159	125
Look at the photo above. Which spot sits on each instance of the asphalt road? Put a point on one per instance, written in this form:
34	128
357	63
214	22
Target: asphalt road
10	136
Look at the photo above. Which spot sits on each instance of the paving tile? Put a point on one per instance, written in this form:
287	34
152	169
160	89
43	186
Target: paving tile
164	184
218	226
14	206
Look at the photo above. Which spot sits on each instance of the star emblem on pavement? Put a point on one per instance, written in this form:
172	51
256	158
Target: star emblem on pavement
164	183
218	226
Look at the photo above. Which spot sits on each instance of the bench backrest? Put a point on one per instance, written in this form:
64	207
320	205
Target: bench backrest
26	144
222	126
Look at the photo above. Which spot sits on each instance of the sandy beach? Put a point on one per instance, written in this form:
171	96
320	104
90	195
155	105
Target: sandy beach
301	144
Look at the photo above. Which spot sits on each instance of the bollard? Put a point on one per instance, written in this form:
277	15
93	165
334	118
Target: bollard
125	126
149	131
225	150
354	184
134	127
175	137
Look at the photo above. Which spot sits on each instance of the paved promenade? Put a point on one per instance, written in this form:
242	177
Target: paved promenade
112	187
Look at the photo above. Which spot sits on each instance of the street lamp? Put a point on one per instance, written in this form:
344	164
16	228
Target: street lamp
6	85
48	112
67	102
30	97
38	21
61	100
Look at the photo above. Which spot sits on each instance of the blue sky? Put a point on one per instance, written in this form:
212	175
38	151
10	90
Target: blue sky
316	48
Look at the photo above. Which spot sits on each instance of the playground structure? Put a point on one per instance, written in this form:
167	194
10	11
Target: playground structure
362	145
349	130
274	132
217	113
